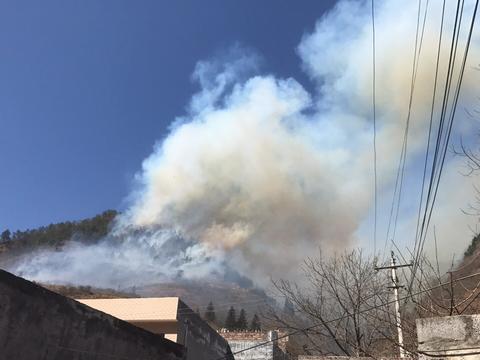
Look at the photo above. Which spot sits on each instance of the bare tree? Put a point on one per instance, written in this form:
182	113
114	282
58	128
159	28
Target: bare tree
471	156
343	306
348	300
452	297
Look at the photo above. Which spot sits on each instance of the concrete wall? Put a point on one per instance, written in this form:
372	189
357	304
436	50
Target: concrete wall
168	329
200	340
36	323
455	337
264	352
272	350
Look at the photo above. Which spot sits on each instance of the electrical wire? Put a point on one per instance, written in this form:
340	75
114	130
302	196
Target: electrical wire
452	112
416	62
432	111
397	193
374	131
443	137
305	329
440	132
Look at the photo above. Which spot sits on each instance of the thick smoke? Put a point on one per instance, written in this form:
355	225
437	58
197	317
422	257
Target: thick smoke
259	173
125	260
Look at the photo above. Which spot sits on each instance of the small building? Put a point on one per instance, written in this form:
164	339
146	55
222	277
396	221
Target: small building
171	318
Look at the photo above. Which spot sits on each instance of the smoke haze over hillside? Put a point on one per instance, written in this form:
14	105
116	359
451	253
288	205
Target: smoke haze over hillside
259	172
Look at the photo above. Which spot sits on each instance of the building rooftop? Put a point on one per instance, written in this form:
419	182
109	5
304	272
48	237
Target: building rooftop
137	309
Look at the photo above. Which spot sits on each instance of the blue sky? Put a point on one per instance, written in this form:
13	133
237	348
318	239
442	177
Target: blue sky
87	87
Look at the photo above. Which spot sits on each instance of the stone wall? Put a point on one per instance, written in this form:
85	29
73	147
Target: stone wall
36	323
455	337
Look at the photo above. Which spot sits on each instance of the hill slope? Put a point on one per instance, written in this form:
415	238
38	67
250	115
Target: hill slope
197	294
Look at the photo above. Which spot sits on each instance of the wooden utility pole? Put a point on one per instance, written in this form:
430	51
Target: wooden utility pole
398	319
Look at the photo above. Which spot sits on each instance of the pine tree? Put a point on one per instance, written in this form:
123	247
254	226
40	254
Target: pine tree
210	313
231	320
242	320
255	324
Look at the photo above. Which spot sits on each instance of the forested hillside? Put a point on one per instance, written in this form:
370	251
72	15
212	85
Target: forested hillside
55	235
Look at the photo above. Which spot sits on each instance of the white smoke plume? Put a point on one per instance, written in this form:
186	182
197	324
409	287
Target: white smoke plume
259	173
132	259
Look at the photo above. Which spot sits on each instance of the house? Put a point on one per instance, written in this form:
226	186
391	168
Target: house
171	318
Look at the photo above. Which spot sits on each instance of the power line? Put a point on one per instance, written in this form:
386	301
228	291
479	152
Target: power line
443	136
416	61
418	236
374	130
395	207
453	111
440	131
432	110
434	172
302	330
443	356
441	146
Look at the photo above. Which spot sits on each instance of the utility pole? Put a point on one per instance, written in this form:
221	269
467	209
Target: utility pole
398	319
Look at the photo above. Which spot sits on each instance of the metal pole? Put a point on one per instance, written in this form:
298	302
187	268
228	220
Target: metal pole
397	306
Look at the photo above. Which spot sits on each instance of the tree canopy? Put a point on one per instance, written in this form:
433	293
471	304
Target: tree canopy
53	235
